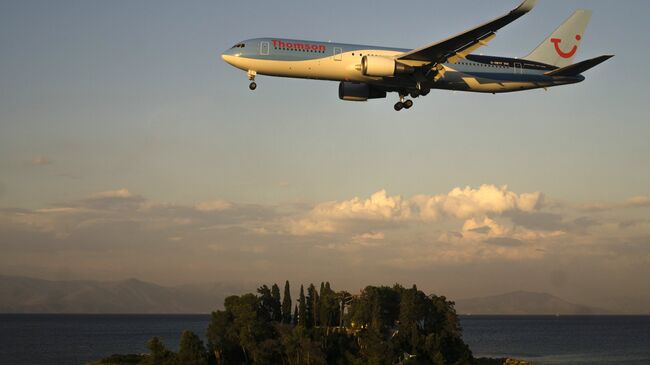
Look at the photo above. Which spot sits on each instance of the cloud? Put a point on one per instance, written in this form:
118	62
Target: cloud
538	220
468	202
638	202
213	206
380	207
369	237
40	161
120	194
379	233
641	201
504	242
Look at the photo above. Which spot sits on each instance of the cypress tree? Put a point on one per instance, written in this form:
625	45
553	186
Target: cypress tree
286	304
312	306
295	316
275	303
302	308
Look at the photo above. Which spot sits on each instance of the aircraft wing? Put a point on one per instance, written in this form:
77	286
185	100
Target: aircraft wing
459	46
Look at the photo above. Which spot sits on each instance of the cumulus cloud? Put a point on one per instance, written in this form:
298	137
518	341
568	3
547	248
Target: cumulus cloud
483	225
469	202
459	203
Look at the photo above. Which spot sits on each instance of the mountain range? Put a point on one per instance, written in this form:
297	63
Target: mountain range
29	295
523	302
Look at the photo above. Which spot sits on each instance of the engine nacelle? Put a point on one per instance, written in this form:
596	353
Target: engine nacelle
383	66
352	91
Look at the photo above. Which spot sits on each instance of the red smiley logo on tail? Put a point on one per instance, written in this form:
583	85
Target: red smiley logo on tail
557	41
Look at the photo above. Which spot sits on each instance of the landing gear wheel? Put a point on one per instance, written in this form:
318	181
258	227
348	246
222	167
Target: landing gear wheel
399	106
252	86
408	104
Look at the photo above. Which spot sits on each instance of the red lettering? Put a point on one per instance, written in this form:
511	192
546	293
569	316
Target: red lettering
302	46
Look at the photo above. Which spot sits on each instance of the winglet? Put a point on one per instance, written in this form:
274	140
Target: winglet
526	6
440	52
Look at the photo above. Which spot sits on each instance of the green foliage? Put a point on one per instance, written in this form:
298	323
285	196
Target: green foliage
286	304
382	326
302	308
192	351
276	306
118	359
379	326
311	307
158	353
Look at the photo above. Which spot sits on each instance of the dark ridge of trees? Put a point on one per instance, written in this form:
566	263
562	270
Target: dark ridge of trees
379	326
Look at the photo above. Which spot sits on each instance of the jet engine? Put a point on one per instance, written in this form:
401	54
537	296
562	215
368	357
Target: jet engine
383	66
352	91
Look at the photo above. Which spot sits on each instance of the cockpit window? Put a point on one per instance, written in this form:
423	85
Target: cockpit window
239	45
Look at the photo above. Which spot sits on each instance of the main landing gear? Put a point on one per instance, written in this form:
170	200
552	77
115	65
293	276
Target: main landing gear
251	77
402	104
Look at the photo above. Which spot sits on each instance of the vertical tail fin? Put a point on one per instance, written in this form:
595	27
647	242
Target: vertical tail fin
561	46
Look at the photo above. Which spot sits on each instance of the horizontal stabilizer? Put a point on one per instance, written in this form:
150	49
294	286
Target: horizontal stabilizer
580	67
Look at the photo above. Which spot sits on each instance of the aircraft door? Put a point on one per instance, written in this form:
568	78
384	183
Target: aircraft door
518	69
338	54
264	48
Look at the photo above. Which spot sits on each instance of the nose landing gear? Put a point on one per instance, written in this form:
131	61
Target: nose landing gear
251	77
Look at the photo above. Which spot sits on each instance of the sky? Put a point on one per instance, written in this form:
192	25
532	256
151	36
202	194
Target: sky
128	148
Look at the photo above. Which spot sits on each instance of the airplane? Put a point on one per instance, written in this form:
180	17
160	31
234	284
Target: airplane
369	72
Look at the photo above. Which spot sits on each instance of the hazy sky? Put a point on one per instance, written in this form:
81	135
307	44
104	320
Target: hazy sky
128	148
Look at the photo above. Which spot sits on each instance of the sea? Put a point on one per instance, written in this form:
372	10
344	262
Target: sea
38	339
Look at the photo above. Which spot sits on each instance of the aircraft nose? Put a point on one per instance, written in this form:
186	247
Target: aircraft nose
228	56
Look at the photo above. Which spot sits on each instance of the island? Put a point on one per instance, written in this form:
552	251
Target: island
379	326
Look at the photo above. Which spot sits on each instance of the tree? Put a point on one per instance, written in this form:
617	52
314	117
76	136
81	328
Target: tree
311	307
328	307
302	308
158	353
382	326
294	320
223	339
286	304
266	301
314	300
192	351
276	306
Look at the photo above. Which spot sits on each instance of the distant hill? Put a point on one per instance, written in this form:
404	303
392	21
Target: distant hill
522	302
27	295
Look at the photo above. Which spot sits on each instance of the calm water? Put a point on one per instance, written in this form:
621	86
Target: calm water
77	339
